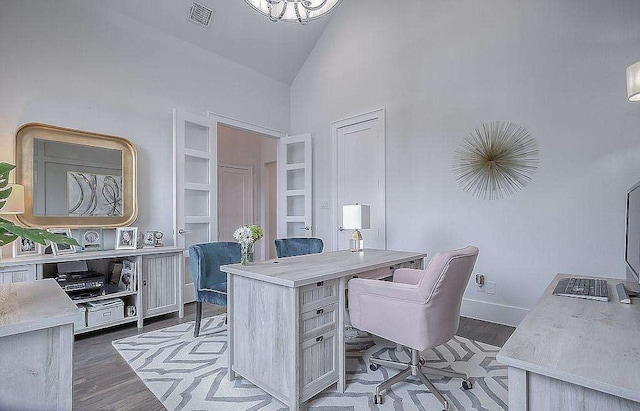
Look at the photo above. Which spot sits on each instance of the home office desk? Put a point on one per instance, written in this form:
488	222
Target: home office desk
286	318
575	354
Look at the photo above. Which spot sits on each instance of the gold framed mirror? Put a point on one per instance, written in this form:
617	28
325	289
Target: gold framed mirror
75	178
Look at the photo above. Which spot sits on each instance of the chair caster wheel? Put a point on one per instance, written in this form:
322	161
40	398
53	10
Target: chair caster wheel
373	367
467	385
377	399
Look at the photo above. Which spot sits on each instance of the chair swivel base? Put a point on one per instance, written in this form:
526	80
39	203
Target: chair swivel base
417	369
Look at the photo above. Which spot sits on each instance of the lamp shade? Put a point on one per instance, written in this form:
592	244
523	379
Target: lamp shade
633	82
15	202
356	216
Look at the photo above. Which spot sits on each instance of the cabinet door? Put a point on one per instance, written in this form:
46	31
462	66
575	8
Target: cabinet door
18	274
160	276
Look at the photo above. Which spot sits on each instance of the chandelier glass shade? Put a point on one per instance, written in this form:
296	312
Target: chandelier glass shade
295	11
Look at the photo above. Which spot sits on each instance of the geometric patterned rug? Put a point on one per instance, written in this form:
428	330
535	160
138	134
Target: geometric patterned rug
187	373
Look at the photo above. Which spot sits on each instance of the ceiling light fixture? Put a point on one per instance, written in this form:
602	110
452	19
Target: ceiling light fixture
293	11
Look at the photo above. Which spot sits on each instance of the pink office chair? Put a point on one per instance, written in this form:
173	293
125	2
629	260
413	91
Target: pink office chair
420	309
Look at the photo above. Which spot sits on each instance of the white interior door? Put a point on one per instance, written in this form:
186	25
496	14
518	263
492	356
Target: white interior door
295	186
359	145
235	199
195	186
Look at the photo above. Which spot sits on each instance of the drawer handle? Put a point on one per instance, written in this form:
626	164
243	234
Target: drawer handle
319	339
320	311
320	284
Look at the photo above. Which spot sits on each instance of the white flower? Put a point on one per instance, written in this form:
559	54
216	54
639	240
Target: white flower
243	235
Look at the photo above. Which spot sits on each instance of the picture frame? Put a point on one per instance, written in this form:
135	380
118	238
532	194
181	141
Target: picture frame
59	249
23	247
128	276
126	238
149	239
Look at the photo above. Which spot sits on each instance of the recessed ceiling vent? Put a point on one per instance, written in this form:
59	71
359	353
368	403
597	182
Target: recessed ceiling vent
200	14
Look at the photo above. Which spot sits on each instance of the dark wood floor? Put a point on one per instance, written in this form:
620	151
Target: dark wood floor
104	381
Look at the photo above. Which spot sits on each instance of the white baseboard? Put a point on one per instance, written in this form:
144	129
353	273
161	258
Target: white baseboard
492	312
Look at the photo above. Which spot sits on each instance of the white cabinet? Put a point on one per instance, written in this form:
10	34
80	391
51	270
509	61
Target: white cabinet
17	274
160	284
159	279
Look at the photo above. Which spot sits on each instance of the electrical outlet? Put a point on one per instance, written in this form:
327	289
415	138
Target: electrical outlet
491	287
480	283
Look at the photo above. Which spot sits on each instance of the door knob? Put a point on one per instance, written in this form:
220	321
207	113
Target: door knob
306	228
340	229
183	231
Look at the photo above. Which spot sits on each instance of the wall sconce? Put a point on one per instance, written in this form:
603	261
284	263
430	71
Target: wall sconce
356	217
633	82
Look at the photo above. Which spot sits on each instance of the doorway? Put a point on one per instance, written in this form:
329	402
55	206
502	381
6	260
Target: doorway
243	189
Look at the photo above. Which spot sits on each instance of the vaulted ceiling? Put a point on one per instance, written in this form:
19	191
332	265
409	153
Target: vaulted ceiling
237	32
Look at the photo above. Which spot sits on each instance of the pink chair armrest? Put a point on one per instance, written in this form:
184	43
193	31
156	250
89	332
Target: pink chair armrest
408	276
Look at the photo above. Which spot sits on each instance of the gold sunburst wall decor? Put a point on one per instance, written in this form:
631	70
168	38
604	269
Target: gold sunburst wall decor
495	160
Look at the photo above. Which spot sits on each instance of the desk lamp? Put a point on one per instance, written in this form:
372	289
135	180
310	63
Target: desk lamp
356	217
14	204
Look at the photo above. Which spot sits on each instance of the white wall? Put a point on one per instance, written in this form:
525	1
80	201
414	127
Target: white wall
73	64
443	68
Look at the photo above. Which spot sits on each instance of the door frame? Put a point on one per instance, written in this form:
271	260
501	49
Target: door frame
220	119
335	126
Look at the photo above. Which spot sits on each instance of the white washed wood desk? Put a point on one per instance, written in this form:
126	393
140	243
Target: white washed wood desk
36	348
575	354
285	316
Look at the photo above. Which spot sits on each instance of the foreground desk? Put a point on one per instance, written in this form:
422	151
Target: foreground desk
36	348
286	316
575	354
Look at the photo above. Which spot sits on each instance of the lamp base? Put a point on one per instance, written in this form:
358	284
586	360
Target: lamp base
356	243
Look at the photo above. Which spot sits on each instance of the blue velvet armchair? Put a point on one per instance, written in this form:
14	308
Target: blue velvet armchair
210	283
289	247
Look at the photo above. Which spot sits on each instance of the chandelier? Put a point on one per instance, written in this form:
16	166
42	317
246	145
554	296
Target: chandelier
300	11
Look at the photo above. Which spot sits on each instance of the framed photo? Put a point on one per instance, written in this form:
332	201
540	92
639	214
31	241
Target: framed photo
149	239
61	248
91	240
126	238
128	278
23	247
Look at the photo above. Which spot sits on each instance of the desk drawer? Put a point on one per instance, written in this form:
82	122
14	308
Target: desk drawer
318	295
319	363
315	322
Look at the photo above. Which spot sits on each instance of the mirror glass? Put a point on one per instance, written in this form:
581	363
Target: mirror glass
76	180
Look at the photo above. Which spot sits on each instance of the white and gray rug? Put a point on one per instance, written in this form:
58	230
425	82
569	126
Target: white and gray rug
187	373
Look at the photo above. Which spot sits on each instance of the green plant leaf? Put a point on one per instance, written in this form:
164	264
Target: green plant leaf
34	234
5	169
6	237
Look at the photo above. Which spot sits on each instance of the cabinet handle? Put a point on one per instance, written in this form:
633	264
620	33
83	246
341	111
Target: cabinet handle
319	339
320	311
144	283
320	284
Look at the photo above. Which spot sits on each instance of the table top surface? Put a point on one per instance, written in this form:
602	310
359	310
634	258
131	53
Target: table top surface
41	304
311	268
590	343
